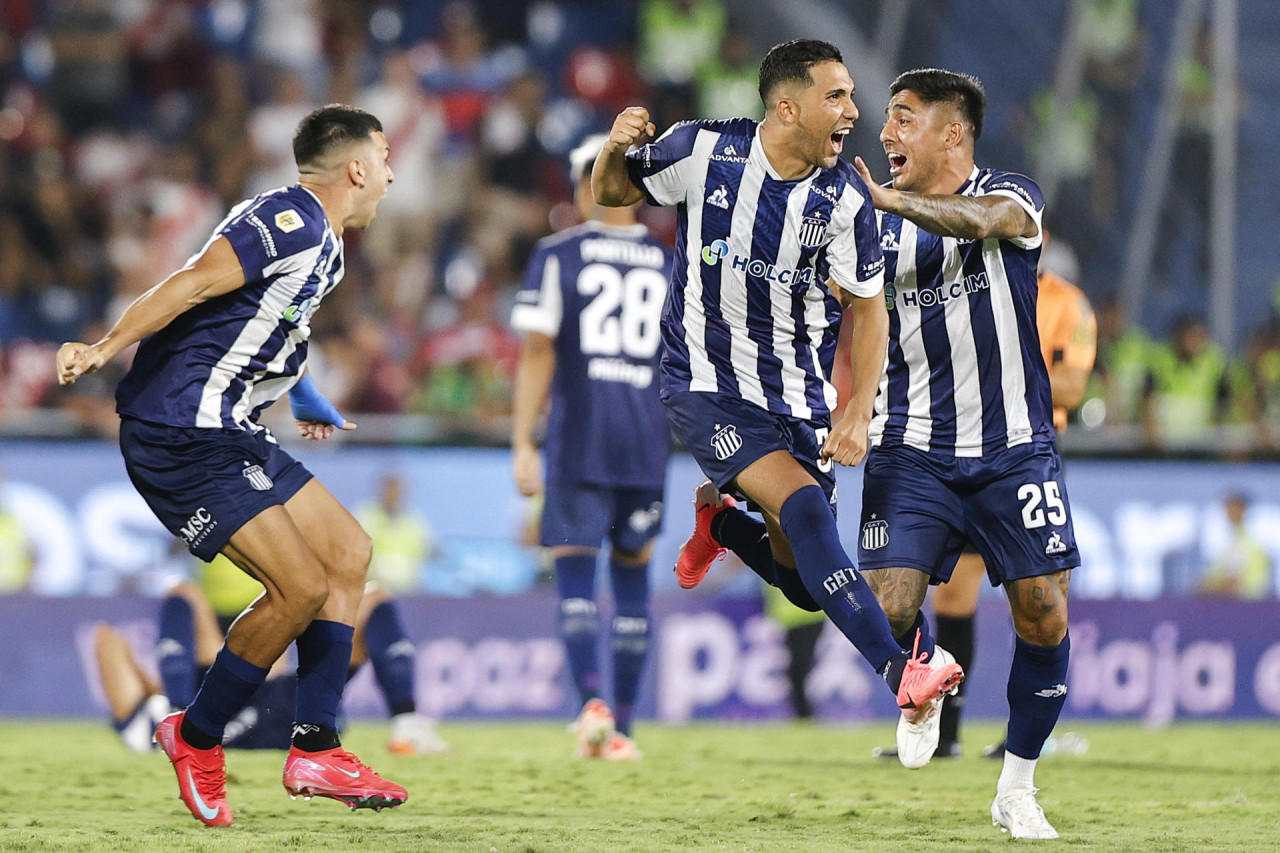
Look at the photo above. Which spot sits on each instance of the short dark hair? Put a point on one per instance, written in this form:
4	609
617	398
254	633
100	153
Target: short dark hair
934	85
329	128
790	62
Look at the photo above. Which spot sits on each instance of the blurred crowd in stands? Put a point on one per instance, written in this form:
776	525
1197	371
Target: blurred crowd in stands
128	128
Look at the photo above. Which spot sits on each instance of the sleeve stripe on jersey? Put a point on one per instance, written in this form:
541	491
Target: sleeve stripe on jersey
544	317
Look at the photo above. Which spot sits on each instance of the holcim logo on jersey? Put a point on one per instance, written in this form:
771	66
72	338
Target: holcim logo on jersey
712	254
302	311
944	293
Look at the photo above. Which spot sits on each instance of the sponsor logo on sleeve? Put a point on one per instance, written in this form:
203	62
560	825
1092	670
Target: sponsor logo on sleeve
288	220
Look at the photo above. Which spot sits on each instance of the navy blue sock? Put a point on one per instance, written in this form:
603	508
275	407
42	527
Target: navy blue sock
176	651
391	653
1037	691
828	575
907	639
955	634
228	687
630	637
579	625
749	539
324	654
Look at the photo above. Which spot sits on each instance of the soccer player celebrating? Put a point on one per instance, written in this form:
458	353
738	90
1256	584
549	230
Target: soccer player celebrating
221	339
769	217
590	309
962	438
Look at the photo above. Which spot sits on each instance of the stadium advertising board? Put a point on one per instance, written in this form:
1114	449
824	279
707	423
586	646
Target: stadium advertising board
713	658
1145	529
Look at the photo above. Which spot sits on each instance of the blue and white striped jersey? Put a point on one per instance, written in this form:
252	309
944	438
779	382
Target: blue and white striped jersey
749	313
598	291
219	364
964	374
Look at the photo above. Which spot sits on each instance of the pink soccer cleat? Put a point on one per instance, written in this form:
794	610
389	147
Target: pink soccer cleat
700	550
339	775
923	684
202	773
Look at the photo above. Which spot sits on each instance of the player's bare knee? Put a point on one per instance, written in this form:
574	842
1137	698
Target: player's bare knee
301	595
349	562
1041	627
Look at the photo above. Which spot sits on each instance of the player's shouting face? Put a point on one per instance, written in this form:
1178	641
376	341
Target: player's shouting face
916	138
825	114
371	170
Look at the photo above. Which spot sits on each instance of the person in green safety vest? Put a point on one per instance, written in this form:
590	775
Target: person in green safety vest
1243	568
1186	389
402	537
16	561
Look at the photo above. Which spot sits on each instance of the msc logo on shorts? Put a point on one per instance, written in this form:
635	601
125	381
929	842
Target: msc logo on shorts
257	477
726	441
875	534
197	526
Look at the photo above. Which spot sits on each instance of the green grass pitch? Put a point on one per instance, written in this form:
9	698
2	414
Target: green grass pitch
512	788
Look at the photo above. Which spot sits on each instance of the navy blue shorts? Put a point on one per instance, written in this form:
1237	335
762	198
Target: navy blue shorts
583	514
205	484
918	510
726	434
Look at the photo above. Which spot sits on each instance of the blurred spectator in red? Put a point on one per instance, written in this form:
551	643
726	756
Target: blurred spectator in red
465	369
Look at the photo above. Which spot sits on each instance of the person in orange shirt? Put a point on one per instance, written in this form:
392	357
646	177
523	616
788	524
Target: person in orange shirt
1069	343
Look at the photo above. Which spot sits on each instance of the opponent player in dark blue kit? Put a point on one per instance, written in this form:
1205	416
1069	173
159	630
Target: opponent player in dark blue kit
963	429
776	232
221	339
590	308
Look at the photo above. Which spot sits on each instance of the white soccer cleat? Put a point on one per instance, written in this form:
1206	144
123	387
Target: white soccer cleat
415	734
619	747
594	728
918	740
1018	813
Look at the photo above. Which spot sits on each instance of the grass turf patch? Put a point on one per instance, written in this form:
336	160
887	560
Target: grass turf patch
71	786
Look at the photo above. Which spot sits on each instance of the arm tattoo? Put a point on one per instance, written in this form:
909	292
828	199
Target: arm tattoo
963	217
